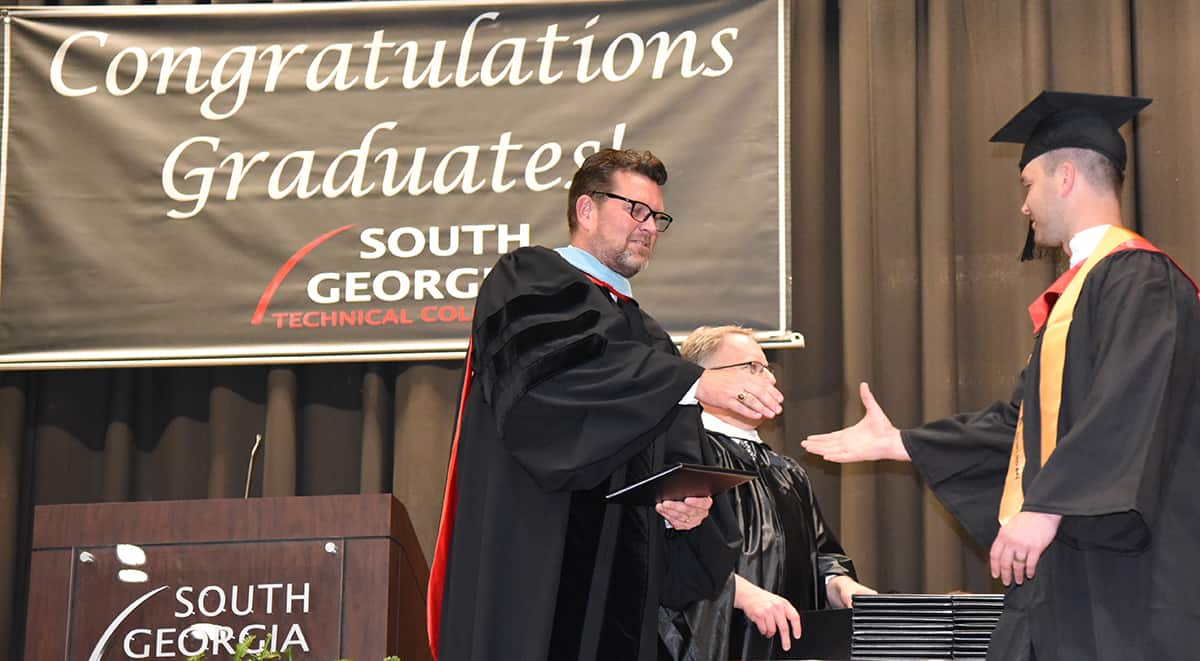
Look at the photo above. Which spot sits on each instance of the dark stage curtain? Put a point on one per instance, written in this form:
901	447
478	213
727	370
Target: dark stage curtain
905	229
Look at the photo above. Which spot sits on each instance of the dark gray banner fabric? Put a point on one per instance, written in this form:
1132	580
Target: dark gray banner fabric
263	182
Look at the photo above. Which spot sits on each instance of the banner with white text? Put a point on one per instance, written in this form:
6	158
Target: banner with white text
333	181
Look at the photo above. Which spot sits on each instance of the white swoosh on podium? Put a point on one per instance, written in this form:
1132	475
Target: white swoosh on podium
98	650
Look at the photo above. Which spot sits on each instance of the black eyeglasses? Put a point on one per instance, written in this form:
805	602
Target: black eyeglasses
754	366
640	211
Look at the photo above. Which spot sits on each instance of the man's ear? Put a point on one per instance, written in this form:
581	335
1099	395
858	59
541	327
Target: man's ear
585	212
1066	176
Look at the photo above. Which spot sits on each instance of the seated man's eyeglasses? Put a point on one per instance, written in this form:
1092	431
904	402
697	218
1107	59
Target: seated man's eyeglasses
640	211
754	366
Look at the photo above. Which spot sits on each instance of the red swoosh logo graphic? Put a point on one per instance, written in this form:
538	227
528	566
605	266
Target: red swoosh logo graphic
273	286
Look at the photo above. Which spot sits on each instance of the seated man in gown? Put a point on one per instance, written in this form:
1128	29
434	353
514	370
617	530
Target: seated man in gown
791	561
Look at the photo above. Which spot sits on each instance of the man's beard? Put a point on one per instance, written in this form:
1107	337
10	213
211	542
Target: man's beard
625	263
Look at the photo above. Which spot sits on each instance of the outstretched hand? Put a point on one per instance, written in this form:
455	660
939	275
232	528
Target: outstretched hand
874	437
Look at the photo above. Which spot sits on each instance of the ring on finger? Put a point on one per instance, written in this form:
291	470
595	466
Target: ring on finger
741	396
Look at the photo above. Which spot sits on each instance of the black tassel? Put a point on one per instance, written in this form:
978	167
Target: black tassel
1027	253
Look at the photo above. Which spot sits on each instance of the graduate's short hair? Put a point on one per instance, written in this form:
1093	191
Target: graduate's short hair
1095	168
703	342
597	170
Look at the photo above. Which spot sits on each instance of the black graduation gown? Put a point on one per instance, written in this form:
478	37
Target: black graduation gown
1119	582
574	395
787	548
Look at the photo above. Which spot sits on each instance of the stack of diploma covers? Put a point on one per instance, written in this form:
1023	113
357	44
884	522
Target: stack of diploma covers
923	626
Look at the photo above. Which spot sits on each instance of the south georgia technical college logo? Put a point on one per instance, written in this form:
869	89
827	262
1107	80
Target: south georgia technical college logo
374	296
189	635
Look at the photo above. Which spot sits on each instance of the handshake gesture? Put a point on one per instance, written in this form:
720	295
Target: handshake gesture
1022	540
874	437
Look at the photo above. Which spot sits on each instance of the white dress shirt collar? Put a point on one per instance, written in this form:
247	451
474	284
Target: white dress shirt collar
1084	243
714	424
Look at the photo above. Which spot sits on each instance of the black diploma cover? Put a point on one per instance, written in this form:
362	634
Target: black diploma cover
678	482
824	634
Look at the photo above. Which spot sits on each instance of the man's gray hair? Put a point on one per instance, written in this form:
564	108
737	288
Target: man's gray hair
703	342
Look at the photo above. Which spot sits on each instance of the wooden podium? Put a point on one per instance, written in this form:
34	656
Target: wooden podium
328	577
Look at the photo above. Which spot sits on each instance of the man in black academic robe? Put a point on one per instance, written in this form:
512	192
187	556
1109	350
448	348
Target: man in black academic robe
1091	512
573	391
790	558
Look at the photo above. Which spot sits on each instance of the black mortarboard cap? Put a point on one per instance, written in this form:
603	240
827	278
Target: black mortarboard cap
1057	120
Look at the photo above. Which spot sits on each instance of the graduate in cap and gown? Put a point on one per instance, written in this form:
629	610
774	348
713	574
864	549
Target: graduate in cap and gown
1085	485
